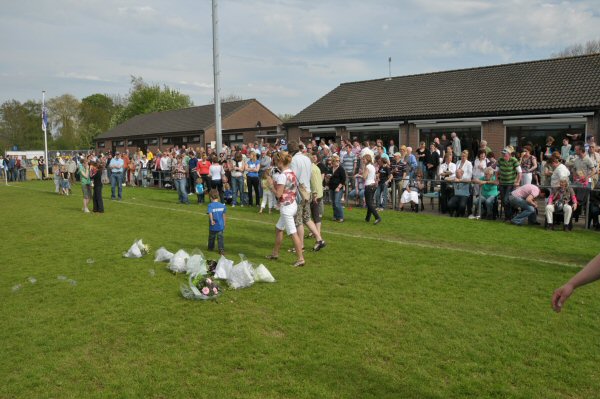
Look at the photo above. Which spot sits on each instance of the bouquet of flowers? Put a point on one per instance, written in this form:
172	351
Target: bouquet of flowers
200	288
206	286
137	250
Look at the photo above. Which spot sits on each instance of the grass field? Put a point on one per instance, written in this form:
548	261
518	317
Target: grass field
418	306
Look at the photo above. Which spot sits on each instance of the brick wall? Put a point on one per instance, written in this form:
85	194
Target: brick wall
246	118
493	133
413	136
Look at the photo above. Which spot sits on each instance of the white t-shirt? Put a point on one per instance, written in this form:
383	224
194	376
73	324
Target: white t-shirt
215	171
561	172
479	168
467	168
370	175
164	163
302	167
451	167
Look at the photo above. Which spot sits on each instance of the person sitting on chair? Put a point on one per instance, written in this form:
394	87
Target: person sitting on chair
560	200
488	193
411	194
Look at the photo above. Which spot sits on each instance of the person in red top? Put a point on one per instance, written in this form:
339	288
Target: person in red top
202	168
125	158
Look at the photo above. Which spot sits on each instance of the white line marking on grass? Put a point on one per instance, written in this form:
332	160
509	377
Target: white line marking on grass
388	240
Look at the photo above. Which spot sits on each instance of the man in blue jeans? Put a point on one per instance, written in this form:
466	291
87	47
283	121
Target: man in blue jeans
116	176
524	197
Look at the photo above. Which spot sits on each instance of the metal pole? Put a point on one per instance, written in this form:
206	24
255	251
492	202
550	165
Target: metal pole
44	117
216	73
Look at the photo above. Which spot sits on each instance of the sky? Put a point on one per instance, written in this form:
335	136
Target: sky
286	53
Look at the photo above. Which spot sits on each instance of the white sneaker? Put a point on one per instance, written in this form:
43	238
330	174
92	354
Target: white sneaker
86	210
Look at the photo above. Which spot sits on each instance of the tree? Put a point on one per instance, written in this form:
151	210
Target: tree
95	114
144	98
63	112
21	125
285	117
228	98
590	47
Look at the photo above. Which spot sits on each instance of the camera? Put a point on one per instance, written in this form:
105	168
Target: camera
275	170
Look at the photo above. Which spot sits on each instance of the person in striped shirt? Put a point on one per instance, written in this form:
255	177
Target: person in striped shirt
509	177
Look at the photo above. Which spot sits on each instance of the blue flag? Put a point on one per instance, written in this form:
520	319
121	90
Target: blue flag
44	118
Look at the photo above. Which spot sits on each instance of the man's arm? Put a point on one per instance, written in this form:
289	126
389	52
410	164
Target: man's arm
591	272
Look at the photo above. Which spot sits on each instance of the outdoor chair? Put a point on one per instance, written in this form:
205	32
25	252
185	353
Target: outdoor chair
431	195
558	219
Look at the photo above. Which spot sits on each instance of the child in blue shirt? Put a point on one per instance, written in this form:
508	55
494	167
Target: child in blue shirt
216	221
200	192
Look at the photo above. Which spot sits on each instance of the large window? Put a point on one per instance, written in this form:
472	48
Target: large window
384	135
469	136
536	135
231	139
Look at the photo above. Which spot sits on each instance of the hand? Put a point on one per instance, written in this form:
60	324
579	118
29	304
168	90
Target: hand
560	296
574	207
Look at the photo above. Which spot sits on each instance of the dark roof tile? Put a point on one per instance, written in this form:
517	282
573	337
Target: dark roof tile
191	119
553	84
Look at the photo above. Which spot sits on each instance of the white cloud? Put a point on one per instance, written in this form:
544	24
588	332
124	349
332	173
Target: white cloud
271	90
289	51
320	32
141	12
76	75
454	8
201	85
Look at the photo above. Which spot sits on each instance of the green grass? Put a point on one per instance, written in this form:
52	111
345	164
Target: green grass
413	307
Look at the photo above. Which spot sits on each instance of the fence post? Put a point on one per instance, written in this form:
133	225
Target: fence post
394	195
346	194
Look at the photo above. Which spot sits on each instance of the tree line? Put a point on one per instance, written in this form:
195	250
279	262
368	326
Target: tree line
74	123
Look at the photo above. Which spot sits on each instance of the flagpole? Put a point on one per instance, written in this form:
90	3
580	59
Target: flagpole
216	72
45	127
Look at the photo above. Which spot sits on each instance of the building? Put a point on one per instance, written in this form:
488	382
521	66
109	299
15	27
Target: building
503	104
242	121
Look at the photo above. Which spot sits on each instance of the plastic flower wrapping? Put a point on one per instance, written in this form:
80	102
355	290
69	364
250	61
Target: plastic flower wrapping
137	250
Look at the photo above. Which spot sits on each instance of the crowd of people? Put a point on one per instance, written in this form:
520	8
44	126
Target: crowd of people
14	167
371	174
